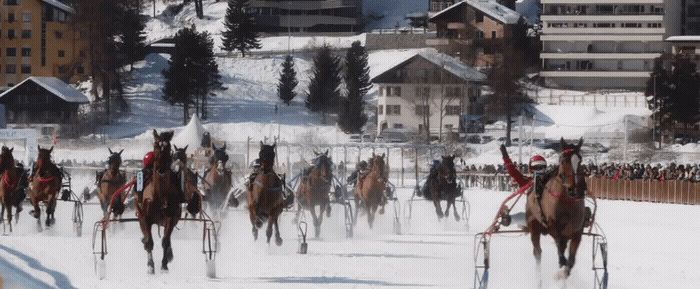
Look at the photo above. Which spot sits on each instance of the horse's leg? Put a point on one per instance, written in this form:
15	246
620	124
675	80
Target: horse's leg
147	241
317	223
438	207
167	246
9	215
561	248
268	231
275	218
447	207
535	233
357	207
573	247
50	208
327	204
2	213
454	209
371	210
252	222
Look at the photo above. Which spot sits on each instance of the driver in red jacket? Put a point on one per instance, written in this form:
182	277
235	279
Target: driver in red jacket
537	166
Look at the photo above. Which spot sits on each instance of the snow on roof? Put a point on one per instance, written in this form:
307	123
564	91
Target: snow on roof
191	134
449	63
59	5
684	38
494	10
56	86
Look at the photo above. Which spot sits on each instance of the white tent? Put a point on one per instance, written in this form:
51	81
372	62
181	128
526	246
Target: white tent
191	135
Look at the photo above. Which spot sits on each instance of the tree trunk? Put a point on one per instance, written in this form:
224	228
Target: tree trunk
185	112
508	126
106	95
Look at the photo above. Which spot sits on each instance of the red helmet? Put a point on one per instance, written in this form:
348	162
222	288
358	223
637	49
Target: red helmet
537	162
148	159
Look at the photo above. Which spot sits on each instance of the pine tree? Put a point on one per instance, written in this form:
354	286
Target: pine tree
288	80
132	36
685	106
193	72
658	92
240	30
323	91
352	117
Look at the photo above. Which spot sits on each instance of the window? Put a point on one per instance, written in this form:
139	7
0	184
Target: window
422	91
398	125
82	53
26	34
81	70
479	17
393	110
63	69
26	52
380	109
380	91
59	34
47	130
10	17
10	2
61	53
26	69
453	91
632	25
452	110
479	34
11	69
422	110
26	17
493	34
11	52
11	33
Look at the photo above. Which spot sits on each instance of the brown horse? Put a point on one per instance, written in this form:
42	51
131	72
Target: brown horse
192	194
44	185
217	182
265	196
559	212
370	189
159	203
112	180
8	185
442	185
314	189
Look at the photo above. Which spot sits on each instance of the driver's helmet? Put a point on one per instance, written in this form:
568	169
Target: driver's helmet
255	164
537	164
435	163
148	159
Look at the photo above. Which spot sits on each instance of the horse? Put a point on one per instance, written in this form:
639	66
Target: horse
314	189
560	211
189	184
265	195
370	189
217	179
159	203
112	180
9	196
44	185
442	185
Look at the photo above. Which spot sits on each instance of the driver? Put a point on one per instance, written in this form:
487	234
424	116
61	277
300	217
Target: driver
359	173
538	167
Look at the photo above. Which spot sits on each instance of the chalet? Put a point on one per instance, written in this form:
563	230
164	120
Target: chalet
46	104
428	89
473	30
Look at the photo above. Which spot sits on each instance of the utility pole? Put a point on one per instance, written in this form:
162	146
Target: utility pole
653	116
624	154
289	28
520	139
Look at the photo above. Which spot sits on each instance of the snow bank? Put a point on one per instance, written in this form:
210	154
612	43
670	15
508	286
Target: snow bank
190	135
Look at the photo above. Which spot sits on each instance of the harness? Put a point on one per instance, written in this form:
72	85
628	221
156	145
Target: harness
5	180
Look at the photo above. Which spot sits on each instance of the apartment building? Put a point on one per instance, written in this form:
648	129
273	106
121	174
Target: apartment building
596	44
310	16
35	40
690	17
439	5
427	85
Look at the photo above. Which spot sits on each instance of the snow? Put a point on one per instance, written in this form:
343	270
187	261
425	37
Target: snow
56	87
59	5
644	238
392	13
450	64
491	8
684	38
529	9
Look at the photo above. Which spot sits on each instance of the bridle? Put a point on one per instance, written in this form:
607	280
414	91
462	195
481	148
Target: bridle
570	181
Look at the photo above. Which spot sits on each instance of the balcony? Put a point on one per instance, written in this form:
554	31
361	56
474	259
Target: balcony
602	37
601	30
599	55
593	2
605	18
595	73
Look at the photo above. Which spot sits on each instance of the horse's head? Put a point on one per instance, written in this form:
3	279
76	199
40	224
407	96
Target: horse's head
378	162
44	157
324	164
219	158
267	155
114	160
162	153
571	170
6	159
446	169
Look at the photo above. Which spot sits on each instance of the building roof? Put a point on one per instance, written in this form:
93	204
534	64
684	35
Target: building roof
56	87
59	5
494	10
684	38
449	63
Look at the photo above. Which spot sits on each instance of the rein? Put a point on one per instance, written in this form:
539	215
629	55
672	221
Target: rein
43	180
272	189
5	180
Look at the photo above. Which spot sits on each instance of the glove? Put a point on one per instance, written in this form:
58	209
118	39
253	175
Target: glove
504	152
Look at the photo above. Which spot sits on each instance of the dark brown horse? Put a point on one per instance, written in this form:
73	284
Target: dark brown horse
265	195
44	185
8	185
442	185
159	203
369	191
559	212
314	189
189	184
218	178
112	180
